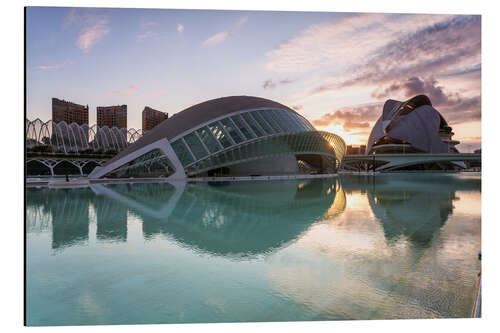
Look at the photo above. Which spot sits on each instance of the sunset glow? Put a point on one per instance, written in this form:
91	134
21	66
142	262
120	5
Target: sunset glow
336	69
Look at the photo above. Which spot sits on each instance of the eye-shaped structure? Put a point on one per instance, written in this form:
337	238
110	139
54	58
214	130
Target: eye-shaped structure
413	126
230	136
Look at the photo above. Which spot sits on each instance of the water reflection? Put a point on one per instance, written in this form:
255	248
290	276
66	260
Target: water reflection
400	250
243	218
415	207
393	246
68	210
111	222
237	219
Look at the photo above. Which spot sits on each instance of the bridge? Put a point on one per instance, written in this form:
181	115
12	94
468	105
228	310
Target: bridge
388	162
53	164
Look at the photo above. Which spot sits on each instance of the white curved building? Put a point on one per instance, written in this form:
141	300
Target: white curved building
230	136
412	126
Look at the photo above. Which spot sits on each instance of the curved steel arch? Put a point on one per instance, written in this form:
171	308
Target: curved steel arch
322	143
74	138
38	126
114	139
79	140
122	139
94	138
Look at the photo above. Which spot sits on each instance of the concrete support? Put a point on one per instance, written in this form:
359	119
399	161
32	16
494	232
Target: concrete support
163	145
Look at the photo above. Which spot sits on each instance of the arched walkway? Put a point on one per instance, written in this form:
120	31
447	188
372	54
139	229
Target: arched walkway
89	166
36	168
64	167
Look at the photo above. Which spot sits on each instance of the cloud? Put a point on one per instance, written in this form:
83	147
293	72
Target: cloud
180	27
454	107
393	56
437	49
287	81
352	117
93	26
372	50
147	34
129	91
242	21
465	71
53	67
467	109
416	86
70	18
222	36
216	39
297	107
270	84
91	35
343	41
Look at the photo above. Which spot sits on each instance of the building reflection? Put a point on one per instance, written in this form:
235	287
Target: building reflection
229	219
416	207
111	220
69	211
243	218
235	219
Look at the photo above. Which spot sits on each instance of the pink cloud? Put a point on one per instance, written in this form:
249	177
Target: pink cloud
129	91
216	39
353	117
92	34
93	27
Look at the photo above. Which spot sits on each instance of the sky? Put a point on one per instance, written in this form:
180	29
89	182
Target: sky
336	69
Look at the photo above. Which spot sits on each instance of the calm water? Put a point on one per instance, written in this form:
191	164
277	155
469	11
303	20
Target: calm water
393	246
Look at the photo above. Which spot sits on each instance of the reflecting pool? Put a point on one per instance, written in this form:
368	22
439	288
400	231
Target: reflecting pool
354	247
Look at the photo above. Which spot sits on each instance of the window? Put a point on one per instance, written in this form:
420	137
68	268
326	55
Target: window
182	152
262	123
195	145
277	118
243	127
288	121
268	117
208	139
220	134
253	124
233	132
299	123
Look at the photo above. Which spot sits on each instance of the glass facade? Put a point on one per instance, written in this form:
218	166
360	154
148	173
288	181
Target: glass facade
256	115
330	146
253	124
220	134
232	130
244	128
152	164
195	145
244	136
238	138
237	129
182	152
269	119
209	140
